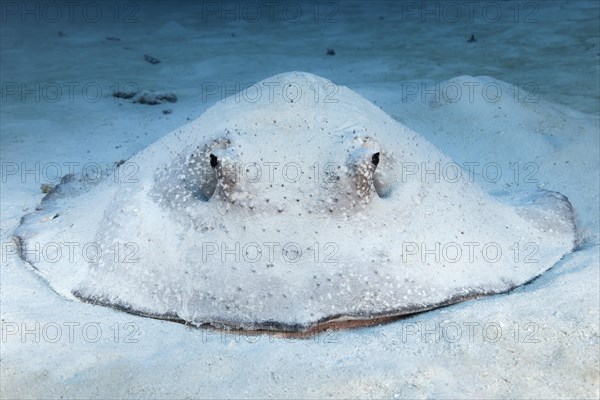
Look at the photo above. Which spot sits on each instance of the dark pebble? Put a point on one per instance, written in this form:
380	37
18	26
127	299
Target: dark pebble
120	94
150	59
46	188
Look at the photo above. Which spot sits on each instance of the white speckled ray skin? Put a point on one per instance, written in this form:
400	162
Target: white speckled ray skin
286	215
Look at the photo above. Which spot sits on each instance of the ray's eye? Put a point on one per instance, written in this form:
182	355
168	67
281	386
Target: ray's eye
213	161
375	159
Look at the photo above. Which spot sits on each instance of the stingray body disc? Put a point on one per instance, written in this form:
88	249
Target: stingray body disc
290	213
